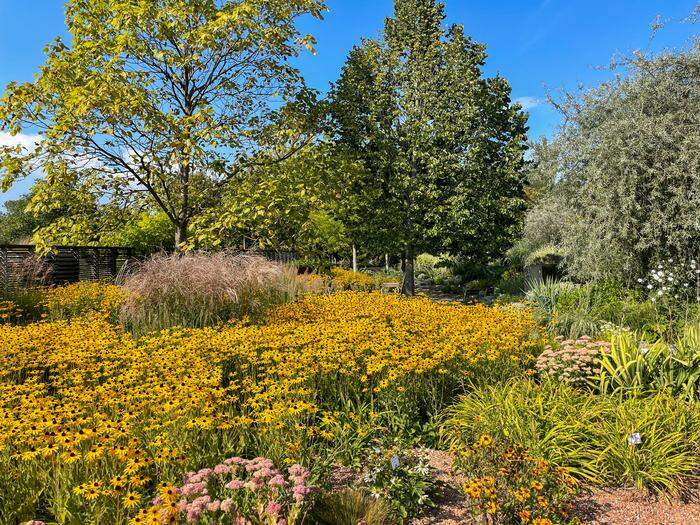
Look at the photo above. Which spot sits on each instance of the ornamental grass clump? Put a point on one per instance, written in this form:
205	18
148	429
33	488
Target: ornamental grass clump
572	361
201	289
350	507
646	442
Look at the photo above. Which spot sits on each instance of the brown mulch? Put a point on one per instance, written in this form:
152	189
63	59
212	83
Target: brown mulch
622	506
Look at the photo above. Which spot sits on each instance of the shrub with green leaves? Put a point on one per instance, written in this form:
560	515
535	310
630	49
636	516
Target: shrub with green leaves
433	268
573	310
402	477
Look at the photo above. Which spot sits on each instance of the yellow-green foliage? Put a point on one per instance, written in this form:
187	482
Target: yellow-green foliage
586	433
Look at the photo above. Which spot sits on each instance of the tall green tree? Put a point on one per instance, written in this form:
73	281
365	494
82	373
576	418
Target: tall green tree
158	103
16	224
442	145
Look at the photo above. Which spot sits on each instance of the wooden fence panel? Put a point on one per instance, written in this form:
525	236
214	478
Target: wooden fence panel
66	264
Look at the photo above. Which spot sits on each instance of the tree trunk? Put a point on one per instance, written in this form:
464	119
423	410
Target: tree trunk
408	284
180	235
386	262
354	257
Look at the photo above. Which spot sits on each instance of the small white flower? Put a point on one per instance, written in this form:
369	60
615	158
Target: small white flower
649	286
634	439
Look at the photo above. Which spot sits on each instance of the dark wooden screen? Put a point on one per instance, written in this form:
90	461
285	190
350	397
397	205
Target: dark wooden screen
66	264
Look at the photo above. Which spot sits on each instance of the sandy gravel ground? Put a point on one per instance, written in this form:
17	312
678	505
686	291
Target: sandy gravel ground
623	506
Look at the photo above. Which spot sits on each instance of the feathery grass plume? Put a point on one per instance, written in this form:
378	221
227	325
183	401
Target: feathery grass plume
202	289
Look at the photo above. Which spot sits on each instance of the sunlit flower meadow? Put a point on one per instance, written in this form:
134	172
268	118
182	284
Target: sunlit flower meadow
97	426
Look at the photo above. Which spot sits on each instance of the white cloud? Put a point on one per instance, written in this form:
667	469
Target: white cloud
27	141
528	102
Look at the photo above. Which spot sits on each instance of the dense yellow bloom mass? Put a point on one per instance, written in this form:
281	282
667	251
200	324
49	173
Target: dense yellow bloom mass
81	298
344	279
91	418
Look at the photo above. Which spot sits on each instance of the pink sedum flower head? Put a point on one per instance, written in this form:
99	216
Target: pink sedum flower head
222	469
278	481
234	484
273	508
226	505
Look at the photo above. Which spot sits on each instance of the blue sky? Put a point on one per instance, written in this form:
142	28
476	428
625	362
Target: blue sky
540	46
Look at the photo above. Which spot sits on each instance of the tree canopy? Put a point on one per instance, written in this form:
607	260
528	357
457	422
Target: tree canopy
442	146
299	204
627	171
159	105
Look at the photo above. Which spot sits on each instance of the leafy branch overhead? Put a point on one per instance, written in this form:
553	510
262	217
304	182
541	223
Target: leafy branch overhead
158	104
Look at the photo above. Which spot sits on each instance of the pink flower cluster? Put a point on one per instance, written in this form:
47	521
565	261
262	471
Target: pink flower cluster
230	487
572	361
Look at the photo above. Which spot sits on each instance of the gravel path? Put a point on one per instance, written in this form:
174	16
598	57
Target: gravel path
623	506
437	293
451	504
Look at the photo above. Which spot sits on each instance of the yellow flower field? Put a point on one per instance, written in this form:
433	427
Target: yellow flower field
91	420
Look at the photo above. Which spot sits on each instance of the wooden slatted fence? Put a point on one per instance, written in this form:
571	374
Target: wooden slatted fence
64	264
